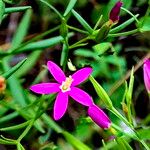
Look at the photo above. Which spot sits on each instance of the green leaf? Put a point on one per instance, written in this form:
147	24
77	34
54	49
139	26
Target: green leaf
103	48
11	1
31	61
130	89
123	144
53	8
123	25
42	44
15	127
21	30
18	94
144	133
51	123
146	24
69	7
9	117
83	22
101	92
86	53
6	142
16	9
14	69
14	85
75	142
2	10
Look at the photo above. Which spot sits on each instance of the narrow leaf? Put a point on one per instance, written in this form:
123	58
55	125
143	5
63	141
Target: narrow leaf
69	7
82	21
42	44
21	30
16	9
15	127
2	10
123	25
32	59
101	92
75	142
13	69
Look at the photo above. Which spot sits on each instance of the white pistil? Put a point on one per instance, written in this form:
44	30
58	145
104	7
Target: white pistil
65	86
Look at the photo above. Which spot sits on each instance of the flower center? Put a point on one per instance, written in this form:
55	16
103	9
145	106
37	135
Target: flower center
65	86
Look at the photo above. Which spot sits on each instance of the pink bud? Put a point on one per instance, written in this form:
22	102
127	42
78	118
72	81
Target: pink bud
146	71
98	116
114	14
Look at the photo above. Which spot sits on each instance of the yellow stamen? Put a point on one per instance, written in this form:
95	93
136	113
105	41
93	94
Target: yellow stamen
66	84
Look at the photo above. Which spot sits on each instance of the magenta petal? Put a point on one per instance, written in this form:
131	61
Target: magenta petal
45	88
56	72
146	71
60	105
99	117
81	75
80	96
114	14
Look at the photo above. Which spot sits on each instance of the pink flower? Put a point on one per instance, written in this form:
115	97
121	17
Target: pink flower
114	14
98	116
146	71
65	87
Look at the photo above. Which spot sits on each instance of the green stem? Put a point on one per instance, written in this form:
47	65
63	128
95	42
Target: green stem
115	111
52	124
64	54
144	144
130	14
26	131
78	30
78	43
124	33
98	22
53	8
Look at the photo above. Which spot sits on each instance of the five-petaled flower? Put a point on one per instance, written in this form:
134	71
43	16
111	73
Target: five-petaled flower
114	14
65	87
146	72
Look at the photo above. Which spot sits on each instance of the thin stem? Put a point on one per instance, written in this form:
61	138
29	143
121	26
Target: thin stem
124	33
64	54
98	22
26	131
78	30
79	42
115	111
130	14
144	144
52	124
53	8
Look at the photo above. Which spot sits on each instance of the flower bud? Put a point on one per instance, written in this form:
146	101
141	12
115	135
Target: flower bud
63	28
2	84
114	14
146	72
98	116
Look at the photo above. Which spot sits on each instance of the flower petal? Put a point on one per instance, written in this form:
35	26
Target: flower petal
80	96
60	105
99	117
146	71
45	88
114	14
56	72
81	75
